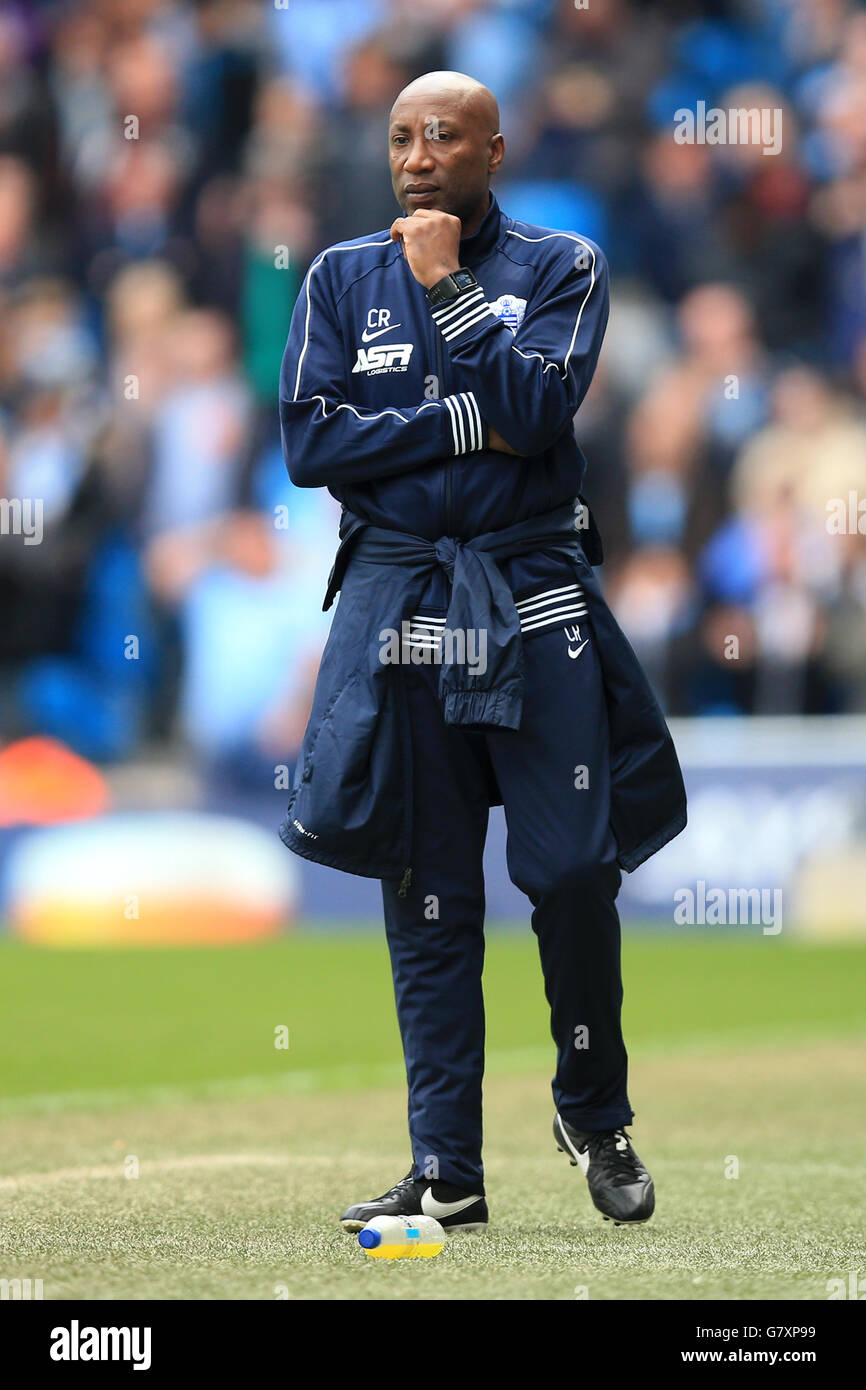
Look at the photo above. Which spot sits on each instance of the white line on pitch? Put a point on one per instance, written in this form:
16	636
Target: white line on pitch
116	1170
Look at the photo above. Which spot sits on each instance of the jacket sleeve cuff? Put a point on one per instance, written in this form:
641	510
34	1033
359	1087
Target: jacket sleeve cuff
465	431
469	311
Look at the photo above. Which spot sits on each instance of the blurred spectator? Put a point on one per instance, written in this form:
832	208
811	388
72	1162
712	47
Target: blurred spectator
676	235
253	633
653	597
21	252
199	425
813	449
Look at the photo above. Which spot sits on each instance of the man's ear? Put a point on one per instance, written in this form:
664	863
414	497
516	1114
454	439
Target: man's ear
497	153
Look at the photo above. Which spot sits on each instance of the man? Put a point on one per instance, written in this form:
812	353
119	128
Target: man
430	381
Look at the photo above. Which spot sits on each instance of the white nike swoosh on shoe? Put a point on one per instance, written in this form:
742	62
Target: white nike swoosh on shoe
575	655
431	1207
367	336
581	1157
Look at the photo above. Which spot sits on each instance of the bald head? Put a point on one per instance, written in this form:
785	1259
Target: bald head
472	97
444	146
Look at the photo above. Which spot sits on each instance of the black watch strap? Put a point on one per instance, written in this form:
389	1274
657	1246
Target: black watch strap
450	286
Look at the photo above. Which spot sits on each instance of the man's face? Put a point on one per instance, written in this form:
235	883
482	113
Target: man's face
440	155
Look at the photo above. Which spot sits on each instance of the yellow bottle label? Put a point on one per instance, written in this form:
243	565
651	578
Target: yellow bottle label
405	1252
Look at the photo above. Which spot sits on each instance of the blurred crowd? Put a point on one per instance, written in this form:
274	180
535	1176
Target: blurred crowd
167	173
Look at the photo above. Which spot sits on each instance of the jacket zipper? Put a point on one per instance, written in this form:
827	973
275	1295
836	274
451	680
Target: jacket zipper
440	372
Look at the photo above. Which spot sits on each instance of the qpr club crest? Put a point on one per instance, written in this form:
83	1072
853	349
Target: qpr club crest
510	309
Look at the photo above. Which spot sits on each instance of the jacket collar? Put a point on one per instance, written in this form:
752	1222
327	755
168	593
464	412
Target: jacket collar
474	248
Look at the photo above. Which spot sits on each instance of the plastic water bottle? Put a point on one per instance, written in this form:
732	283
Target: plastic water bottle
402	1237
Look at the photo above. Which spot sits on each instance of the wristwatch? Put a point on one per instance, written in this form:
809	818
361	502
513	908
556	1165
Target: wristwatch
449	287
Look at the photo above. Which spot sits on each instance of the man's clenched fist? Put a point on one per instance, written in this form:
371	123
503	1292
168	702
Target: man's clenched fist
431	243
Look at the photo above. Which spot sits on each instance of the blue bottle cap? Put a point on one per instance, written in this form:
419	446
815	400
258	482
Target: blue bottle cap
369	1238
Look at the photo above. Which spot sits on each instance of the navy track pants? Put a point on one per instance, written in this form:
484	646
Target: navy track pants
552	777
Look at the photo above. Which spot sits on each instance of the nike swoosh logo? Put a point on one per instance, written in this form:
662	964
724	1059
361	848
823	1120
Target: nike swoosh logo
431	1207
575	655
367	336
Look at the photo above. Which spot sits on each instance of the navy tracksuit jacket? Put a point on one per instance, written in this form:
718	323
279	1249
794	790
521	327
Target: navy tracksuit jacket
543	708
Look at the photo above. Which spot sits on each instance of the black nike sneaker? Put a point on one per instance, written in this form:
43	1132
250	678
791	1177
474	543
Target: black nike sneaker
453	1208
619	1185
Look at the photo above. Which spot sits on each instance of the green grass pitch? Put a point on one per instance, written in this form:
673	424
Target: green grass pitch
746	1055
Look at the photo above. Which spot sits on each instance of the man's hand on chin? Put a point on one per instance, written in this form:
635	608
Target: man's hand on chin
431	243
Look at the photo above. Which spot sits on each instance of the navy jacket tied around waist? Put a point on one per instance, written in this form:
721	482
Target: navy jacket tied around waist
351	800
481	602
